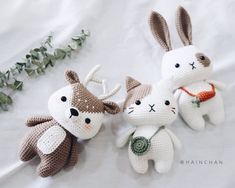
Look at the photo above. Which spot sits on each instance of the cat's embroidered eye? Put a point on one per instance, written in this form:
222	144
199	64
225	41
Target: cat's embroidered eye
87	120
167	102
63	98
137	102
177	65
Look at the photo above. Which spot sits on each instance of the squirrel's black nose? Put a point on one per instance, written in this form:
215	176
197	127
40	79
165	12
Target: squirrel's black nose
73	112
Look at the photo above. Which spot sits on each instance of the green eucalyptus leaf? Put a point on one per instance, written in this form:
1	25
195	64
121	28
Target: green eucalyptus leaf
35	63
18	85
73	45
60	53
27	56
5	99
30	72
43	49
46	62
34	54
36	49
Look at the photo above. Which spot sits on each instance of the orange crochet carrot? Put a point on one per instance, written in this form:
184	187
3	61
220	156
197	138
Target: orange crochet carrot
201	96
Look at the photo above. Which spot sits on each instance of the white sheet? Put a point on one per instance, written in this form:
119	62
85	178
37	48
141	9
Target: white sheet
122	43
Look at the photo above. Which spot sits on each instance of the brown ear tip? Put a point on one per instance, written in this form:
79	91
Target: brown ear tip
68	72
181	9
71	76
154	15
128	78
131	83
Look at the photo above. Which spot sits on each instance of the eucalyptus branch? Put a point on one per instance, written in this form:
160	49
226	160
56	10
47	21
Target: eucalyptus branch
35	63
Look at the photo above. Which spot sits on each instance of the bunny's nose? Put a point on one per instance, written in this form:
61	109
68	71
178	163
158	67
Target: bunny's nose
74	112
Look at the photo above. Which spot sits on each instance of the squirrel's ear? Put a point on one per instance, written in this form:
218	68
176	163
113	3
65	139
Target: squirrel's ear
131	83
183	26
160	30
71	77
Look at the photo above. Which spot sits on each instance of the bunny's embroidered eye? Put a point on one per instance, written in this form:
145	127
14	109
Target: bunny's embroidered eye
137	102
167	102
63	98
177	65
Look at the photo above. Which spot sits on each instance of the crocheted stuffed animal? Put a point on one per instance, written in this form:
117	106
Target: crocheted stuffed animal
75	113
190	69
150	108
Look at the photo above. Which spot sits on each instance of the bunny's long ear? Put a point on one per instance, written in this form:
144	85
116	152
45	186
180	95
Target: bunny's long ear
160	30
183	26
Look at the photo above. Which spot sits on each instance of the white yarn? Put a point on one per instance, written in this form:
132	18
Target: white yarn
92	78
195	81
146	124
76	125
51	139
161	151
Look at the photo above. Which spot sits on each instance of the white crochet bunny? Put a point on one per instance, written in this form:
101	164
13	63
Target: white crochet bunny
190	69
150	108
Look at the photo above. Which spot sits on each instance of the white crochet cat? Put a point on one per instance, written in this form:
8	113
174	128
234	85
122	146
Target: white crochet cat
190	69
150	108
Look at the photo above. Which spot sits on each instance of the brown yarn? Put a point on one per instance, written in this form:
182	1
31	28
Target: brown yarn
160	30
204	60
65	155
183	26
136	94
34	120
85	101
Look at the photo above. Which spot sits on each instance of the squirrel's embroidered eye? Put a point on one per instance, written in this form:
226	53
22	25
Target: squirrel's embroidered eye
177	65
87	120
137	102
202	57
167	102
63	98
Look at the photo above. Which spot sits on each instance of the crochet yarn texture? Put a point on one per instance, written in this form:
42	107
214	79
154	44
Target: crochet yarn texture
189	69
75	113
148	107
141	145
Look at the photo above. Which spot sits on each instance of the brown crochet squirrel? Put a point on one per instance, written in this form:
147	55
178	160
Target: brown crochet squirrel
75	113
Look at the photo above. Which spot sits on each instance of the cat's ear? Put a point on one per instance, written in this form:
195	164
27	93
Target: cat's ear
131	83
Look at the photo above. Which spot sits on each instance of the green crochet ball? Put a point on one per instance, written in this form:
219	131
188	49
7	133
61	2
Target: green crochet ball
140	145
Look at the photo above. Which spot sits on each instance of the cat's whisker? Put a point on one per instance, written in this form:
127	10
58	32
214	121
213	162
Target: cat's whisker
173	111
130	111
131	108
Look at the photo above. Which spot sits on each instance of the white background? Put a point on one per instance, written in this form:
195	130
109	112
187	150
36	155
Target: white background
122	43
